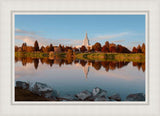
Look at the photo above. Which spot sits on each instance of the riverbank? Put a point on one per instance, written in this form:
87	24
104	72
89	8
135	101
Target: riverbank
26	95
42	92
98	56
138	57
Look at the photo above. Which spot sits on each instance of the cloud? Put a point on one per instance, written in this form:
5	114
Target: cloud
31	37
45	41
118	41
24	32
104	37
27	39
136	42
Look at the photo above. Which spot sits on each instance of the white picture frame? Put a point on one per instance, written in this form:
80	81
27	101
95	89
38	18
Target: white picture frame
152	10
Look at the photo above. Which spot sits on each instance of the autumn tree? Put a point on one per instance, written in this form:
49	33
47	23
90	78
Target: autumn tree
63	48
134	50
42	49
97	46
47	48
51	48
83	49
67	47
143	48
112	49
24	47
60	47
139	49
29	49
105	49
89	49
16	48
76	49
36	46
107	44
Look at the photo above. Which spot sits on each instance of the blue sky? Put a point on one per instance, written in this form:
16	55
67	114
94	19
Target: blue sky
127	30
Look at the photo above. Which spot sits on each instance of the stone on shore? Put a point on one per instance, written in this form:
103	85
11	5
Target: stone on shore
99	94
115	97
136	97
22	85
101	99
83	95
43	90
67	98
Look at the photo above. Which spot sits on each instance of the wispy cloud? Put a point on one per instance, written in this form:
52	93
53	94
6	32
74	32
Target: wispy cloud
45	41
20	31
104	37
31	37
136	42
118	41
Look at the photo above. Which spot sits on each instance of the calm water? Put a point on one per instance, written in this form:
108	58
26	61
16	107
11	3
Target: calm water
69	76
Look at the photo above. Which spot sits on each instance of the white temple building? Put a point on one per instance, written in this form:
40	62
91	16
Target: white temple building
85	42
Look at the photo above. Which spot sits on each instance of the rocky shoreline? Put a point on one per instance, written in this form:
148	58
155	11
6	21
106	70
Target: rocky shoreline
42	92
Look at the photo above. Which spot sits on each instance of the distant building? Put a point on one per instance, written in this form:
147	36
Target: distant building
85	42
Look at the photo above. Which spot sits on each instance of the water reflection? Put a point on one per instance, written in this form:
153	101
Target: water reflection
70	76
97	65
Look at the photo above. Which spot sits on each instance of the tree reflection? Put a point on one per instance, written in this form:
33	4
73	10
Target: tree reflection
139	65
97	65
36	62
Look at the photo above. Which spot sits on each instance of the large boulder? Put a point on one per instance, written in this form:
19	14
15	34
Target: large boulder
22	85
67	98
115	97
98	92
100	99
43	90
136	97
84	95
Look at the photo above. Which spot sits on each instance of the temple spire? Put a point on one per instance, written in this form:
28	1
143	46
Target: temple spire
86	41
86	36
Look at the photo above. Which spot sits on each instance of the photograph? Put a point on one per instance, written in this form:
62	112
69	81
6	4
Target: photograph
79	58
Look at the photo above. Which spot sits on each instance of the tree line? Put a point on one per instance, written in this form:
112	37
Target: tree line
97	47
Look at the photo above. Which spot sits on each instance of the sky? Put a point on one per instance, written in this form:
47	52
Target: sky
127	30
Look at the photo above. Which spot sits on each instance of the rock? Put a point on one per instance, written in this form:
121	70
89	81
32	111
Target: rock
22	85
67	98
97	92
43	90
136	97
115	97
101	99
83	95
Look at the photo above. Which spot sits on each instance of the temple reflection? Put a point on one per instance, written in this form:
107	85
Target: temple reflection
97	65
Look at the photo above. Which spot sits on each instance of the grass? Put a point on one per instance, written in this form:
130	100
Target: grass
98	56
31	54
138	57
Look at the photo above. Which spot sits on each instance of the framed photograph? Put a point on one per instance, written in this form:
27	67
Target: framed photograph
65	59
97	68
